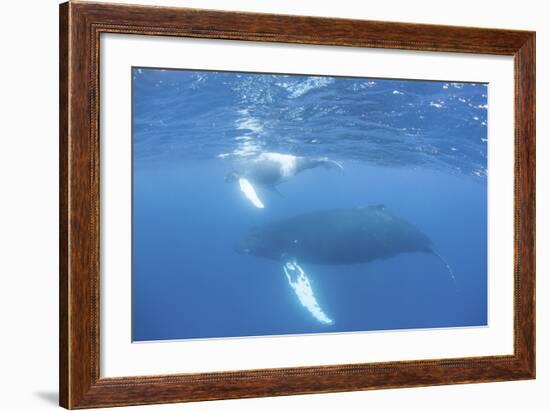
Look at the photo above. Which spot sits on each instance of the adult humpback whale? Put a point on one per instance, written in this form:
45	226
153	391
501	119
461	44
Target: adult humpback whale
337	236
272	169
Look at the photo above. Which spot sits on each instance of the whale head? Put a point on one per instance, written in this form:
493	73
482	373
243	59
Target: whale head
261	243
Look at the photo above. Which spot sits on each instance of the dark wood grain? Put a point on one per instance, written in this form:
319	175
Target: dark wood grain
80	27
63	205
525	203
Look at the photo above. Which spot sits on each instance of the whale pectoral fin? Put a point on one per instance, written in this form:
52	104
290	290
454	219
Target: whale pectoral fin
248	190
301	285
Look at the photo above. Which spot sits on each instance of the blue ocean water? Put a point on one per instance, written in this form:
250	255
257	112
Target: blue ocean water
417	147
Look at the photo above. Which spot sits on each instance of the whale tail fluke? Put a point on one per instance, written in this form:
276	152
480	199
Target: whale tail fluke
330	164
447	266
298	280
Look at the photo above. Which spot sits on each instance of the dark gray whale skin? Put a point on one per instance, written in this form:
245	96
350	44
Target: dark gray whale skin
336	236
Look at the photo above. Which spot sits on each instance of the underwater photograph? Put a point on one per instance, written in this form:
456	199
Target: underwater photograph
287	204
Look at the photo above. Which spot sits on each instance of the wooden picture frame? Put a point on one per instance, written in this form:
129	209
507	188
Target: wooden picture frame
80	27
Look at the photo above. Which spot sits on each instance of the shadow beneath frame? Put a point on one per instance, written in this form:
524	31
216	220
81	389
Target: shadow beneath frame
51	397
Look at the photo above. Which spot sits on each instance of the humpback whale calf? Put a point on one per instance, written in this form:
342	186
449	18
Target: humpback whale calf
271	169
337	236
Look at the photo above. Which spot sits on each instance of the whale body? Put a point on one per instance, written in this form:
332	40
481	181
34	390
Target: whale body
336	236
271	169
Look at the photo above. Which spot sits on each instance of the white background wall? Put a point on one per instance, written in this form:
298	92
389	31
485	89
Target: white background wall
28	204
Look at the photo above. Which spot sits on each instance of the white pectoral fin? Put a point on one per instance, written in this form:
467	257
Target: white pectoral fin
301	285
250	193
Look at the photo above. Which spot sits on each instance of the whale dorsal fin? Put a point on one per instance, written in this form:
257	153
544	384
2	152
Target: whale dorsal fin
379	207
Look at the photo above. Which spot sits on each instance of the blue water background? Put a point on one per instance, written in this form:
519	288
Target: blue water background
418	147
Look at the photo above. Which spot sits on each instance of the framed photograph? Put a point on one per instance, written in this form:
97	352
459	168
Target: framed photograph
258	205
